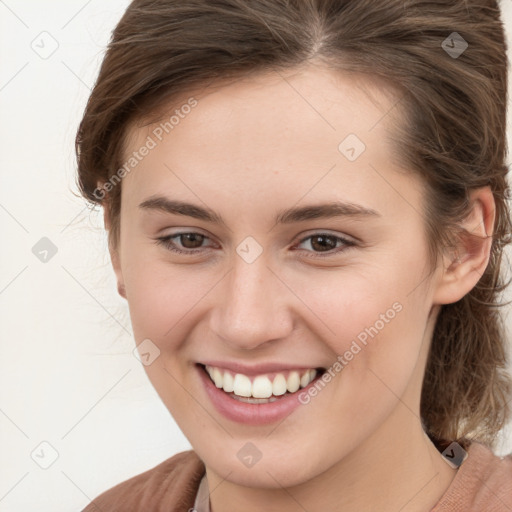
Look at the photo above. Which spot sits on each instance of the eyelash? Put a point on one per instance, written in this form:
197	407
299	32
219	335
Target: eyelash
167	242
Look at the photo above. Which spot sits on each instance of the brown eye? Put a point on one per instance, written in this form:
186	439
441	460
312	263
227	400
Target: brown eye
323	243
183	243
191	240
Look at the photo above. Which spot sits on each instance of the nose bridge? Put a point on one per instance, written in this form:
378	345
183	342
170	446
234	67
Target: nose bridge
251	308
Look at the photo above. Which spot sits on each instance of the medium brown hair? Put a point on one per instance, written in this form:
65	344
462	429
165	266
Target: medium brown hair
453	136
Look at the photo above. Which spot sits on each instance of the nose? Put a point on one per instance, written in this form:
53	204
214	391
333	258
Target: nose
253	306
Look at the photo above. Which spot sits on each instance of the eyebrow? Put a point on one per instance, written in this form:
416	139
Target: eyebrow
288	216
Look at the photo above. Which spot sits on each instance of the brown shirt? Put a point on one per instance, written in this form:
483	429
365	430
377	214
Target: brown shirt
483	484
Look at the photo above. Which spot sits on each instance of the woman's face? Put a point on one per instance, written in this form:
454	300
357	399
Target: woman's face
308	251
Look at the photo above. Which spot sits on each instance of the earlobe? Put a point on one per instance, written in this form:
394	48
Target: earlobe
114	253
116	264
463	268
121	290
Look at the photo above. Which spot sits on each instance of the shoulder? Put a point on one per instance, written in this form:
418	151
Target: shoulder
493	479
171	485
483	483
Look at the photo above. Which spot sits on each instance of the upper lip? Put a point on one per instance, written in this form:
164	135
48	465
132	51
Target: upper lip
257	369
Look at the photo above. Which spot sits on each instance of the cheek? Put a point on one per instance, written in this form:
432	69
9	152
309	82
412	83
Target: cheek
368	303
374	324
161	295
162	301
378	346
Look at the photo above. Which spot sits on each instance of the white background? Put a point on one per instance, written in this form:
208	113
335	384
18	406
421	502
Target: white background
68	375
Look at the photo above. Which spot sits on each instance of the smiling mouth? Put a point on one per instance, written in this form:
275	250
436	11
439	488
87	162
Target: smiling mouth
264	388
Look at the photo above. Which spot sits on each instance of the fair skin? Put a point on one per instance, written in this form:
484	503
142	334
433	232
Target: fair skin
250	149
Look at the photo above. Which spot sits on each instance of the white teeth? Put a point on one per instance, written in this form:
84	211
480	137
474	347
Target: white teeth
217	377
279	385
304	380
307	378
242	385
293	382
228	383
261	387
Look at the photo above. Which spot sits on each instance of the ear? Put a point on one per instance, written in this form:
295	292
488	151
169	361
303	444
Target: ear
114	252
463	271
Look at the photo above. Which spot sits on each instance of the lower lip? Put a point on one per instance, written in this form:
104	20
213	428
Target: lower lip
251	414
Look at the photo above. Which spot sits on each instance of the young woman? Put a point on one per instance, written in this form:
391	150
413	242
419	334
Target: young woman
306	203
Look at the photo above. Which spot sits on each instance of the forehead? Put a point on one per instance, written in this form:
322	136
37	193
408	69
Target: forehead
278	129
322	98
